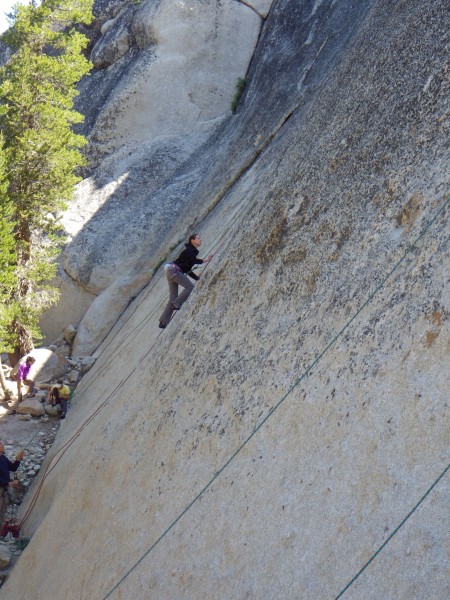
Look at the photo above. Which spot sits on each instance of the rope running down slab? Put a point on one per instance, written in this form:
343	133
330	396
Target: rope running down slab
406	253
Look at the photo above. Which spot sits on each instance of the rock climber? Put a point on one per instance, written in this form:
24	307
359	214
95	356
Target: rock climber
22	376
5	467
176	274
59	394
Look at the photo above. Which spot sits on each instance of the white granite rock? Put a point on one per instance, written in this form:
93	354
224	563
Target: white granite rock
52	410
172	94
345	110
5	555
261	7
73	376
87	363
69	333
48	365
30	406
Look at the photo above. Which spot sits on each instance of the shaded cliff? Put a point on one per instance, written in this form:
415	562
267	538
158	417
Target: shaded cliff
295	411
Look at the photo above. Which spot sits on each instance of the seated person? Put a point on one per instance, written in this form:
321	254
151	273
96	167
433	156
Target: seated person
60	394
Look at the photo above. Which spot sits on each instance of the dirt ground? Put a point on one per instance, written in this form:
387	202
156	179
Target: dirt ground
12	428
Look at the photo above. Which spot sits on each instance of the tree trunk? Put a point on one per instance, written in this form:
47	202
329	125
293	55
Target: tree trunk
25	340
6	391
14	357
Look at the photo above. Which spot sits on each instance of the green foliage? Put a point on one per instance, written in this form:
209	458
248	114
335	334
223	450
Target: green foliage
8	257
40	153
7	241
240	86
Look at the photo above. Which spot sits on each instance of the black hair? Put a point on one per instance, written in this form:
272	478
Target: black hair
192	237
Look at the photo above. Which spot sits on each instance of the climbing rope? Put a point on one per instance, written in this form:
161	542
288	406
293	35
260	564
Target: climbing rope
305	373
35	435
411	512
131	335
63	449
217	243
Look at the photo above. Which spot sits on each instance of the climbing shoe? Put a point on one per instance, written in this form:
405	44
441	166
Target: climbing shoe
162	325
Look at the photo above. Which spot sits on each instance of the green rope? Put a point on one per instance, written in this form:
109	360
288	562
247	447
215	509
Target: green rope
277	405
393	533
37	433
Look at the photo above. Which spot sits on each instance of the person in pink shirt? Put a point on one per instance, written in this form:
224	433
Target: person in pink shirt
23	376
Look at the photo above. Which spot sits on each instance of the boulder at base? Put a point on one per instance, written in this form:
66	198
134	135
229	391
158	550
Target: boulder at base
5	556
48	365
30	406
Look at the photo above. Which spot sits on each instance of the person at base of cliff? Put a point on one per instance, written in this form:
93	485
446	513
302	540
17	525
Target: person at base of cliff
60	394
6	466
22	376
176	274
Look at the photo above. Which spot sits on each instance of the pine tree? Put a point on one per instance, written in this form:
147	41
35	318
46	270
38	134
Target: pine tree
41	152
8	257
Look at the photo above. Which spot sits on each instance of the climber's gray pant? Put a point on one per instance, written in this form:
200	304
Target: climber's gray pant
174	279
